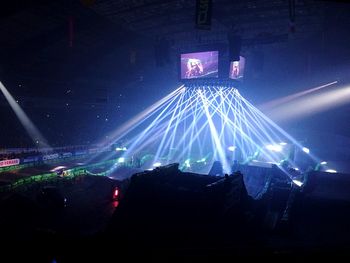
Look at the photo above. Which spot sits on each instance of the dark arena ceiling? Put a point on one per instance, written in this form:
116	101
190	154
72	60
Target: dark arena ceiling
255	20
35	26
35	40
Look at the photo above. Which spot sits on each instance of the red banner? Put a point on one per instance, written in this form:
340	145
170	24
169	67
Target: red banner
11	162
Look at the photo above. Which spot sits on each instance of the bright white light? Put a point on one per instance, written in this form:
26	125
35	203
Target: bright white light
323	163
187	163
298	183
283	143
118	149
57	168
231	148
121	160
201	160
296	168
306	150
274	148
157	164
331	171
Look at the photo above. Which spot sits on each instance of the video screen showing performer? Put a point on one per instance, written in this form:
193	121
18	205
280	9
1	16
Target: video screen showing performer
199	65
237	69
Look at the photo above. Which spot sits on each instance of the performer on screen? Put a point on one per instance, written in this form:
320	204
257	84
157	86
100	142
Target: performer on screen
235	70
194	68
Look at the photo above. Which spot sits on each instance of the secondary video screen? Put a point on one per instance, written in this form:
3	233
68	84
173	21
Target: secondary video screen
237	69
199	65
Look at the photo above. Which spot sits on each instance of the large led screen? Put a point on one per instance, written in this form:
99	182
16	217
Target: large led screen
237	68
199	65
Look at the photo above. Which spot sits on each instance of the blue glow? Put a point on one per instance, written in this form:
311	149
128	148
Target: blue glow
207	124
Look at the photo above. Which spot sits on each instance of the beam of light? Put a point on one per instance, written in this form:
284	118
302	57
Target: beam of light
205	123
28	125
331	171
129	126
312	104
139	118
218	146
274	128
280	101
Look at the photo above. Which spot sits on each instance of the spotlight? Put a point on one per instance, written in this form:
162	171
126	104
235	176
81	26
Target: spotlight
231	148
331	171
306	150
121	160
187	163
283	143
274	148
157	164
323	163
57	168
201	160
119	149
298	183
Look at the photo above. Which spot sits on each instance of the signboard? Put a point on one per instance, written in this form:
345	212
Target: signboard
31	159
50	156
11	162
80	153
67	154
